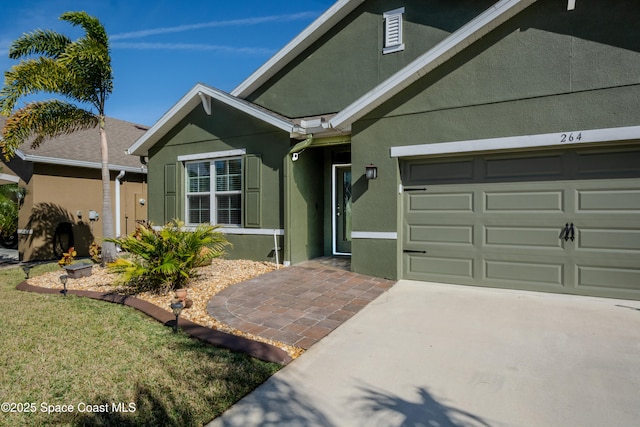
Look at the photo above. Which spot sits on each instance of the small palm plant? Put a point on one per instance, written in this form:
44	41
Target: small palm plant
167	258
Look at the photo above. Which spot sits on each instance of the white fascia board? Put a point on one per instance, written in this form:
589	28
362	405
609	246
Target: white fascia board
9	178
313	32
259	114
558	139
443	51
81	163
188	102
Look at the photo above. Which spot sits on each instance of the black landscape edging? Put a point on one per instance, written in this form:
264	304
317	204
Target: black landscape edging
259	350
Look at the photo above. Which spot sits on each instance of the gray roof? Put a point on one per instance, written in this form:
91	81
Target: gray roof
82	148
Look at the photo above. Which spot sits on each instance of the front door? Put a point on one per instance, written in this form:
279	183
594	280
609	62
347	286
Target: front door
342	209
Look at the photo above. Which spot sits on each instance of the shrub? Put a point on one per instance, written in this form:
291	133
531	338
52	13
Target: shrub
95	252
166	259
68	257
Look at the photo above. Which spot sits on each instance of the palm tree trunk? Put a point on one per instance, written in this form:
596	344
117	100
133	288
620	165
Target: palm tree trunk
108	248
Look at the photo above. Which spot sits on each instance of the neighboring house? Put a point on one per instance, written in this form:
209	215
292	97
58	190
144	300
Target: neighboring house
504	136
63	201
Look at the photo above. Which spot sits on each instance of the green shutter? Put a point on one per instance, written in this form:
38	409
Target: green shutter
252	192
169	192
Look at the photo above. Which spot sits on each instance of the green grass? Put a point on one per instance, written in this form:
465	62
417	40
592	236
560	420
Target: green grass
75	351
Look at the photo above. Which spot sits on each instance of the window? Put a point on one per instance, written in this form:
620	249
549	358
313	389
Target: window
214	191
393	31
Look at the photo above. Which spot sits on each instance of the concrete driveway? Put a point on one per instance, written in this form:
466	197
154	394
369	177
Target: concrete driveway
425	354
8	257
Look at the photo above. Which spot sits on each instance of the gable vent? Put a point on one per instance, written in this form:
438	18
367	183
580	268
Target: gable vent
393	31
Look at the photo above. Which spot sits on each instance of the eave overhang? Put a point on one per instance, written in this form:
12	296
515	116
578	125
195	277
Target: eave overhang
77	163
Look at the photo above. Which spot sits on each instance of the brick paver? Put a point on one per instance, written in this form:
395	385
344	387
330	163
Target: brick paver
297	305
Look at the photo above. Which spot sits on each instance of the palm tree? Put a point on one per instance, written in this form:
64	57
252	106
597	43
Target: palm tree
80	72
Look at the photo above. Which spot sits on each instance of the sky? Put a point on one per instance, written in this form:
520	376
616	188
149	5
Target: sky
161	48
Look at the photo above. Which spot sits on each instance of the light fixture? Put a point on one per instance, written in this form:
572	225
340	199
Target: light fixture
63	279
176	306
26	269
371	171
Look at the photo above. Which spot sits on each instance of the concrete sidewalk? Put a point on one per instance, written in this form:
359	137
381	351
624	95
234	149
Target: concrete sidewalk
427	354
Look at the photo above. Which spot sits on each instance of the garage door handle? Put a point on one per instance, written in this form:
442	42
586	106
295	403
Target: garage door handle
568	232
413	251
572	232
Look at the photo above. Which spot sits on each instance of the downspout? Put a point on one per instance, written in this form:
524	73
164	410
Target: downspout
118	178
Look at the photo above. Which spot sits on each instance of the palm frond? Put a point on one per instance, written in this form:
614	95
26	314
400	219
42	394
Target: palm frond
170	256
33	76
43	120
89	62
91	25
39	42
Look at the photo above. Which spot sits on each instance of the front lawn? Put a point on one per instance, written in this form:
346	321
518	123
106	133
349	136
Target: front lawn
97	360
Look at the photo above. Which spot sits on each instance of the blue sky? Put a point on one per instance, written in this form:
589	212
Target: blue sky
161	48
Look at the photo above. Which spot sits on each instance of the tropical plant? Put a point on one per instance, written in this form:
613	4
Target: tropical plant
95	252
80	72
68	257
10	196
166	258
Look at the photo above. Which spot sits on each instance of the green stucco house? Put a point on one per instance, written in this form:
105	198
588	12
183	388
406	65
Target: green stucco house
476	142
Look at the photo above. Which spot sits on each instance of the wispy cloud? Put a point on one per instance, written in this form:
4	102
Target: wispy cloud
212	24
193	46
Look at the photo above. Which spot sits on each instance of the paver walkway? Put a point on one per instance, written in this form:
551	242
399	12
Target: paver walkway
297	305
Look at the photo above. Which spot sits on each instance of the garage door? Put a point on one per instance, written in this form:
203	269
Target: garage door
566	222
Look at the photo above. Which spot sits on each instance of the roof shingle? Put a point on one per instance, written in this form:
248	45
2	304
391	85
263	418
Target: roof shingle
84	146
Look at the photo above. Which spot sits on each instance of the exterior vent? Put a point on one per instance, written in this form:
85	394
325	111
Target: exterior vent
393	31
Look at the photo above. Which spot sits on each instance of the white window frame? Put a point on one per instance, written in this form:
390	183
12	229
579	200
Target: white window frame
393	29
212	193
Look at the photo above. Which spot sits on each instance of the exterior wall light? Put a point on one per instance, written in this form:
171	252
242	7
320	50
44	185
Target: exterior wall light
371	171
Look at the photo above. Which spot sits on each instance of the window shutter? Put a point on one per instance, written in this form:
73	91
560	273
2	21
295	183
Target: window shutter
169	192
252	191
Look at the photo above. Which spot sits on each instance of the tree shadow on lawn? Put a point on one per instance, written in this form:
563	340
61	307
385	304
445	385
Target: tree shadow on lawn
147	409
193	398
